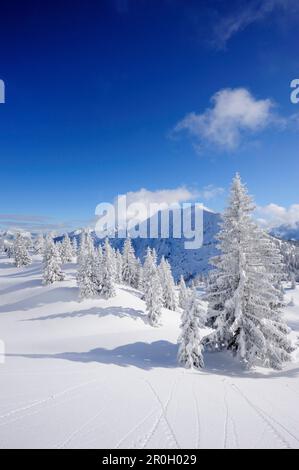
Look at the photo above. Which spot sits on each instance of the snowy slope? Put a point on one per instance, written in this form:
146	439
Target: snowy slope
94	374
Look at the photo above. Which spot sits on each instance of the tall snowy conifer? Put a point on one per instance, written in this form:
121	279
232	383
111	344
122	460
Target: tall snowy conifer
183	292
66	249
52	263
20	251
243	298
168	286
129	264
152	289
107	275
39	245
119	267
190	347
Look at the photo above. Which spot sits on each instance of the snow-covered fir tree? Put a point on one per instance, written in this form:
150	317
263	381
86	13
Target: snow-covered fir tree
88	275
118	266
86	244
20	250
51	263
74	243
183	292
139	280
244	302
168	285
66	249
107	274
129	264
152	289
193	318
39	244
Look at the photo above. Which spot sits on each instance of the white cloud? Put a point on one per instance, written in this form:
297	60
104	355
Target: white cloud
169	196
233	113
146	198
273	215
210	192
249	12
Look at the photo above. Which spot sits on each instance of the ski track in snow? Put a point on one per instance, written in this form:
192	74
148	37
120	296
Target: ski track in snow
266	419
135	428
169	432
198	428
163	412
54	396
225	428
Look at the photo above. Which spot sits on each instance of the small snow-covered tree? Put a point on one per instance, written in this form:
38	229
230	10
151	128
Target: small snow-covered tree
129	264
86	244
66	249
168	286
183	292
190	347
152	290
107	274
74	244
20	251
118	267
139	277
39	244
244	302
51	263
87	276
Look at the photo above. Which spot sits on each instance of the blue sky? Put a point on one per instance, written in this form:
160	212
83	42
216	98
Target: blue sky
97	95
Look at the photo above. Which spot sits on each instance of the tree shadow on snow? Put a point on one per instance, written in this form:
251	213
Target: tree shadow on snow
23	272
223	363
56	294
142	355
163	354
23	285
120	312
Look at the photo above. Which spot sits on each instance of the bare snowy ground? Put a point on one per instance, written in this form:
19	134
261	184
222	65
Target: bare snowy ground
93	374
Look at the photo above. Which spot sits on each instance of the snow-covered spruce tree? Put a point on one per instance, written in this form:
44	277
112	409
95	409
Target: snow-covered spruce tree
107	274
139	281
183	292
168	285
86	244
39	244
51	263
152	289
129	264
193	318
87	276
118	267
243	299
66	249
20	251
74	244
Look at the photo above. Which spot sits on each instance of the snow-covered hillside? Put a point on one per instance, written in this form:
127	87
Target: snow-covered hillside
287	232
190	262
94	374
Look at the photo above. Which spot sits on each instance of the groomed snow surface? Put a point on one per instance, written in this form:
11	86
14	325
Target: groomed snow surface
94	374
